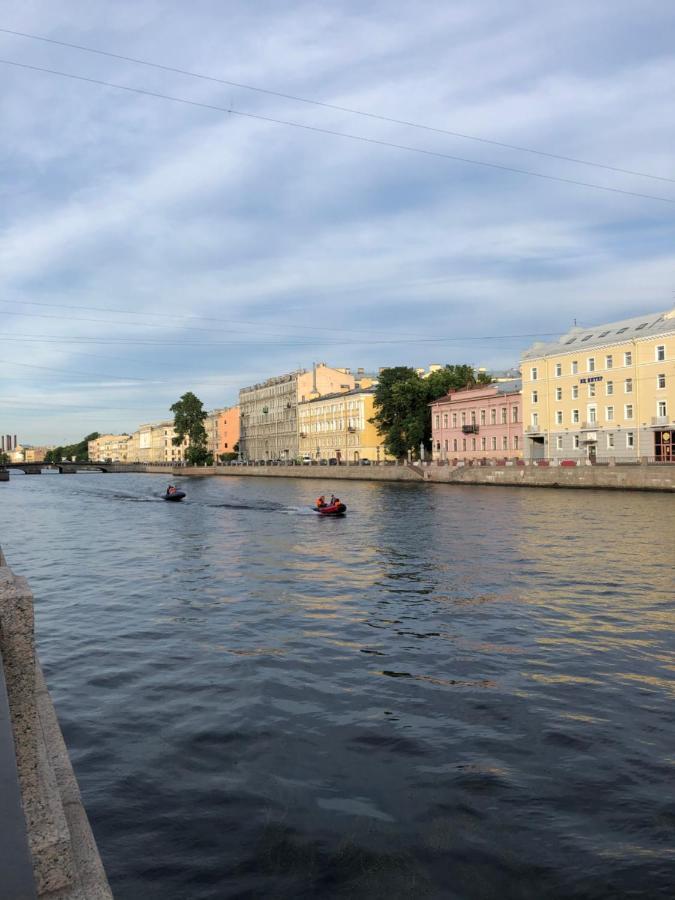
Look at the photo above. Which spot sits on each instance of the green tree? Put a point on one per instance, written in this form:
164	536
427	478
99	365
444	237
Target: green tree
188	422
78	452
4	458
402	401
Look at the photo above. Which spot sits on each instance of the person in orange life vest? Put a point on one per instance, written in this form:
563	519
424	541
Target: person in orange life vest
321	502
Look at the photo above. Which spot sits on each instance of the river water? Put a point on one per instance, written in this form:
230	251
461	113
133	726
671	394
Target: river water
454	691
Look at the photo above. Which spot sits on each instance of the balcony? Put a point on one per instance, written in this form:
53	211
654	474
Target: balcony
470	429
660	420
533	429
589	426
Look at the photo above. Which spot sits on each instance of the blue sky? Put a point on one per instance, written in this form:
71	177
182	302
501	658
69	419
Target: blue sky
150	247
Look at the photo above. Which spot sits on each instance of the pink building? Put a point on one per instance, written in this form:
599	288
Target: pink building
483	422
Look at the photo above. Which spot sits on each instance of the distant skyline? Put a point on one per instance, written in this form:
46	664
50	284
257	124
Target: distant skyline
149	247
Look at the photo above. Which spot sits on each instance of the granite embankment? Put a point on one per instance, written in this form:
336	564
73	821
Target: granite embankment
637	477
47	849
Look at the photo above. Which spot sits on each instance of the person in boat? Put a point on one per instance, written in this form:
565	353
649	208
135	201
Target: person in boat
171	489
320	502
335	501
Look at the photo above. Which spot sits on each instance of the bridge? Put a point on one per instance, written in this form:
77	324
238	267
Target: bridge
65	468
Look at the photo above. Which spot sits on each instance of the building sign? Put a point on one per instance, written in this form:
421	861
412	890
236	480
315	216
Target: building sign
589	380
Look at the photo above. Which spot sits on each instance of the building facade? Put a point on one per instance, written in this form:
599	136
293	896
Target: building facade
269	410
109	448
478	423
606	392
222	429
153	443
338	426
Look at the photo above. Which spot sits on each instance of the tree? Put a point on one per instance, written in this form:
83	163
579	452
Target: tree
402	399
78	452
4	458
188	422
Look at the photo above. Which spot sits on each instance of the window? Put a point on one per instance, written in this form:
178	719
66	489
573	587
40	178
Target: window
609	413
454	444
660	381
609	361
514	413
621	330
630	439
609	388
559	417
483	443
463	443
463	418
504	415
437	421
473	416
575	416
515	441
628	386
445	422
482	417
505	442
535	419
660	353
576	441
628	411
558	370
493	417
473	443
590	364
446	445
628	358
559	442
574	367
575	392
558	393
592	413
661	408
494	443
535	396
591	390
533	374
454	422
610	441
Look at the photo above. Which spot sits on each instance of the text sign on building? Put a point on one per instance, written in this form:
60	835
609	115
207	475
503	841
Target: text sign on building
589	380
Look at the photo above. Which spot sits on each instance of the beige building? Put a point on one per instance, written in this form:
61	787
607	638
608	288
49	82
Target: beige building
269	410
338	426
153	443
109	448
27	453
603	392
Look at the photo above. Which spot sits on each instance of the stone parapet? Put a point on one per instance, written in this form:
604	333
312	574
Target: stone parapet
66	863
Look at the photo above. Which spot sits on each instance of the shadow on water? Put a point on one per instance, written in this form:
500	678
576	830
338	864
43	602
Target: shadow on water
452	692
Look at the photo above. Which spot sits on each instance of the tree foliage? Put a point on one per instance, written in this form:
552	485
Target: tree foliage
402	399
72	452
188	422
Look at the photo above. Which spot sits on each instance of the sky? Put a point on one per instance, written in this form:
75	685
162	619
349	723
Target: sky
150	246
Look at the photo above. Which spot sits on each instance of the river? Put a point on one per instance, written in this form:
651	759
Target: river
454	691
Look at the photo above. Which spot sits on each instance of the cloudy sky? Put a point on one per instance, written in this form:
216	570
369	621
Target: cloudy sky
150	246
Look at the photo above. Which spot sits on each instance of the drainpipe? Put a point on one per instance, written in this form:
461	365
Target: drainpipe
636	381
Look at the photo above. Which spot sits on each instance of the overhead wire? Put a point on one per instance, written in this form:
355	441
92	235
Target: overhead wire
315	129
333	106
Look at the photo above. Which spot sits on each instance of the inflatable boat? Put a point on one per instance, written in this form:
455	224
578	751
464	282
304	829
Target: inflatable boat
175	495
335	509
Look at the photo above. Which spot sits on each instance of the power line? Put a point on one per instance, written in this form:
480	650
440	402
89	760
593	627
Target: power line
407	148
346	109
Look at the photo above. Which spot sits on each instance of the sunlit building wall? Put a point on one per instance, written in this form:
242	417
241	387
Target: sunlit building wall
603	392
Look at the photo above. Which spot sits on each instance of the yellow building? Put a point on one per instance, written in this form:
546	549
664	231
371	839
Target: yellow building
603	392
337	426
153	443
109	448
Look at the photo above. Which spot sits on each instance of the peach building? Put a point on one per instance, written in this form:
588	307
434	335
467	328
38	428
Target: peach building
483	422
222	428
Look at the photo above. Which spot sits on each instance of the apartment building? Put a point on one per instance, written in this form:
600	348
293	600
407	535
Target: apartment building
338	426
269	410
478	423
222	429
109	448
153	443
603	392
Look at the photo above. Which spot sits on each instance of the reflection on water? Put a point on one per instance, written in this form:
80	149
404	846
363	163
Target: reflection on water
452	692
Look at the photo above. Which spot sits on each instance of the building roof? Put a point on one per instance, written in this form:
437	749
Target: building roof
366	390
636	328
499	387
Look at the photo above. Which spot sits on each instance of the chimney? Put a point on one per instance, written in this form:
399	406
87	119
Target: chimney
314	390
